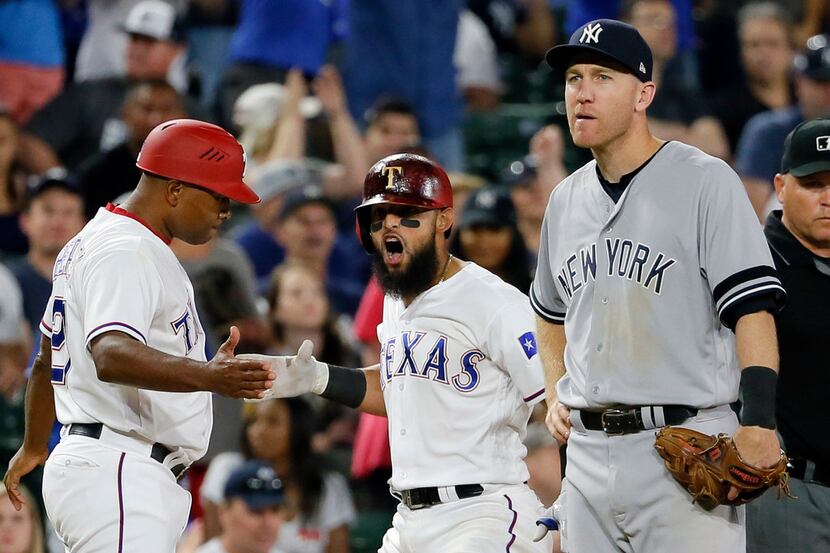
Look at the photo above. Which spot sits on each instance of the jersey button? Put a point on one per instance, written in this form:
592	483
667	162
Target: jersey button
608	230
403	475
599	347
604	301
400	386
403	431
595	390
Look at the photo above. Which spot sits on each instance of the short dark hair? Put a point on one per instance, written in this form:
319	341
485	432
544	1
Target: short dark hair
385	105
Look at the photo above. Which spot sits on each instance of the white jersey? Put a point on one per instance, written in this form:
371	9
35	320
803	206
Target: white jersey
645	287
459	371
117	275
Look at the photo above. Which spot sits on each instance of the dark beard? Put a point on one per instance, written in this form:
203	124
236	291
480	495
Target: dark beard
415	279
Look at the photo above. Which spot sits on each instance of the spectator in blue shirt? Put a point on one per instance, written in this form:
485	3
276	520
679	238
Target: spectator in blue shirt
762	141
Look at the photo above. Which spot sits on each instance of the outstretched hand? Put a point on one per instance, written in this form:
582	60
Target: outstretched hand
238	377
295	374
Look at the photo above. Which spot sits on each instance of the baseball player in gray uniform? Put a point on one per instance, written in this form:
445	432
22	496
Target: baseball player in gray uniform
653	294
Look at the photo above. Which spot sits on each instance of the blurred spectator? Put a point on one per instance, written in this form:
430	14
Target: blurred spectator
307	230
488	236
412	61
31	56
298	310
678	111
271	119
210	28
251	513
762	141
85	117
14	344
580	12
518	26
463	184
543	463
20	531
816	20
53	212
764	32
225	289
110	173
532	179
371	458
296	221
273	37
476	64
12	189
101	52
318	505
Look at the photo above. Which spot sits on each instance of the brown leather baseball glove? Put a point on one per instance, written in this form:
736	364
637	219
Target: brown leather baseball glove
708	466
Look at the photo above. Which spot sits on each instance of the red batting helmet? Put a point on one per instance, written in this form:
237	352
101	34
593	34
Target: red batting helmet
198	153
403	179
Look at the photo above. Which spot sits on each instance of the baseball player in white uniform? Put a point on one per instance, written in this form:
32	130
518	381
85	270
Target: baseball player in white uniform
458	374
122	362
654	287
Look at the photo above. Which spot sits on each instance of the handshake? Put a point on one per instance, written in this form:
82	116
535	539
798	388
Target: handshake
295	374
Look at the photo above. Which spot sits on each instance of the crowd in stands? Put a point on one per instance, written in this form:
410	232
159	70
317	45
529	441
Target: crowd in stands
317	92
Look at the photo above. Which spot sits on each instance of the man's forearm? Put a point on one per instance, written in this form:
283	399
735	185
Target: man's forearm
551	341
40	405
373	401
120	359
756	341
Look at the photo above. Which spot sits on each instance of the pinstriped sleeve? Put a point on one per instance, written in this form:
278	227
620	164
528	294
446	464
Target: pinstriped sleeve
734	254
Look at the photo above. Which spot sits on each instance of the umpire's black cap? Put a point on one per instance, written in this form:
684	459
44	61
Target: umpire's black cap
807	148
610	38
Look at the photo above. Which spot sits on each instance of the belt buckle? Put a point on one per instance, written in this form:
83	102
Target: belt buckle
406	498
612	421
179	471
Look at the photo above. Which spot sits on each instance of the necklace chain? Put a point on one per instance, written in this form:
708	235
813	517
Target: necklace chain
446	268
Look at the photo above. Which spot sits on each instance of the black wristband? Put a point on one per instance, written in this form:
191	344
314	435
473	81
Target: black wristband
758	386
346	386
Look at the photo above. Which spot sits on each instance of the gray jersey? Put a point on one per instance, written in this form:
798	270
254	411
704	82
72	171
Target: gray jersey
643	286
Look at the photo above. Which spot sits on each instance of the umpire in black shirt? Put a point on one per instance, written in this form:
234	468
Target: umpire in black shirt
799	237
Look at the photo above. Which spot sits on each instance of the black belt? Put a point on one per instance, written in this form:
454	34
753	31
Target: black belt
797	468
158	453
418	498
627	420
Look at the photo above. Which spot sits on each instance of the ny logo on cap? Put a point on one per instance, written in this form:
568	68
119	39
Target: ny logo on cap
822	143
591	33
390	175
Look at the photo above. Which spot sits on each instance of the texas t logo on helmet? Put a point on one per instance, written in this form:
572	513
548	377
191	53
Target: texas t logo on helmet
390	172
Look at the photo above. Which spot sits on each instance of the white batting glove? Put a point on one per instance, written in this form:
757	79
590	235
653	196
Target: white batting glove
547	523
295	374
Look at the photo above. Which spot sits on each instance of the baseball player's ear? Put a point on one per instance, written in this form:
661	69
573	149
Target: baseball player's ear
779	182
446	218
646	96
174	190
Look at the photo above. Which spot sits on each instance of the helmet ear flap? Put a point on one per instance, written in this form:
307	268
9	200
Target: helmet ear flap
361	227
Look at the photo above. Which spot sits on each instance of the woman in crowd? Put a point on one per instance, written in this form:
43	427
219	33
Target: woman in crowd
318	503
12	187
20	531
488	236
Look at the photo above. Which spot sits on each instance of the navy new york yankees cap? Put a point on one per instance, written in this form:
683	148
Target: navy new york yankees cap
807	148
610	38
